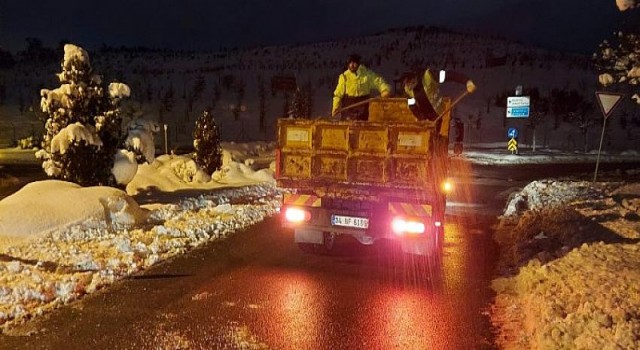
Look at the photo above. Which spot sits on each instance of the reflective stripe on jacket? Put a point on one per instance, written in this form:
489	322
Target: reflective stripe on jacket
359	84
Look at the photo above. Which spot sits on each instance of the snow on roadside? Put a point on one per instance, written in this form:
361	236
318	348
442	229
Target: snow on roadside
59	241
64	265
570	255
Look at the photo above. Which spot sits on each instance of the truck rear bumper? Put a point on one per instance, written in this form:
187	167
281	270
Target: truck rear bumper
314	235
379	226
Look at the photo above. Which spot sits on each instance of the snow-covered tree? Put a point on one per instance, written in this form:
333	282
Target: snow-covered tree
617	60
206	141
141	140
83	129
626	4
297	107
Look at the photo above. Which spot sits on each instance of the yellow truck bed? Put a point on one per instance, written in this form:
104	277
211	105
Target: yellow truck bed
355	152
392	151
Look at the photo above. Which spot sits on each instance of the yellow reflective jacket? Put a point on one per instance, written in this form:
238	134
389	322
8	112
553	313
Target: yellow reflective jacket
432	90
358	84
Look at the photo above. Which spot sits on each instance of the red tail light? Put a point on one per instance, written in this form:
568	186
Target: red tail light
293	214
401	226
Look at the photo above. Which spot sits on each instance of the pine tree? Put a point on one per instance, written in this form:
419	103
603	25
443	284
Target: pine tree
206	141
297	107
84	113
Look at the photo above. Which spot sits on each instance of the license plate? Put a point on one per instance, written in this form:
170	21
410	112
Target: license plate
349	221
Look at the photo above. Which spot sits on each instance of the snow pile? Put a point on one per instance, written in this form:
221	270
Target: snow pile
182	173
42	201
60	241
545	194
45	271
571	271
234	172
252	154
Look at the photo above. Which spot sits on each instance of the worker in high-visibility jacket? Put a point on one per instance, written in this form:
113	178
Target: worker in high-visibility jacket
355	85
424	88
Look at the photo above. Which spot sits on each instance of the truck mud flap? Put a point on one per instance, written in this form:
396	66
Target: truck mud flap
416	247
363	238
422	247
302	235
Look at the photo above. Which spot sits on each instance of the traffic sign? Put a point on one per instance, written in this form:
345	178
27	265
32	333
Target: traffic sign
518	112
518	106
512	133
518	101
512	146
608	101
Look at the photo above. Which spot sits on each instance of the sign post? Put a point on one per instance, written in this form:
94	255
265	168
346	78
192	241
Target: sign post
607	102
166	147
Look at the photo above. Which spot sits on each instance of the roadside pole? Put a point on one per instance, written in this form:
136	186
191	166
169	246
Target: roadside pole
166	147
607	102
595	175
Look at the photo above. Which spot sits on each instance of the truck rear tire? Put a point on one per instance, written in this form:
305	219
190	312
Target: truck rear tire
328	241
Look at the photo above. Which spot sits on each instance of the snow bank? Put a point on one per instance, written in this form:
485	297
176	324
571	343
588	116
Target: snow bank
575	248
45	206
70	262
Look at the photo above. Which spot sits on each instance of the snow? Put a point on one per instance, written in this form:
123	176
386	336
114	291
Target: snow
119	90
58	253
75	132
140	137
568	268
125	167
624	5
570	262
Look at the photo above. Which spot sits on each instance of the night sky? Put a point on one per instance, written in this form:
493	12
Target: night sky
577	26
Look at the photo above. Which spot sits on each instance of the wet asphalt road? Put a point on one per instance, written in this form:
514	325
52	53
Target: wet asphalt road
256	290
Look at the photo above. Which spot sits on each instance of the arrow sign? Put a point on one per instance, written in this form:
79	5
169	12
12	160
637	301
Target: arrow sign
608	101
512	145
512	133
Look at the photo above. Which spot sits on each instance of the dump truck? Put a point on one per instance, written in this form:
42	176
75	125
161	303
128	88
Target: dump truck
377	179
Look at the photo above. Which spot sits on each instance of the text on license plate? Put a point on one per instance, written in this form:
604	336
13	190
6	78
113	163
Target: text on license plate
349	221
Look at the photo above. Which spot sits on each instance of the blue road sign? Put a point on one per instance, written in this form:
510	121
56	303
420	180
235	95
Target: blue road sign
518	112
512	133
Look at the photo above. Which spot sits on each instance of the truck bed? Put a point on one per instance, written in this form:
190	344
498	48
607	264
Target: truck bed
359	157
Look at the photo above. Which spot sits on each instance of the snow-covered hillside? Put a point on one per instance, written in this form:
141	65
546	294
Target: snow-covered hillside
244	88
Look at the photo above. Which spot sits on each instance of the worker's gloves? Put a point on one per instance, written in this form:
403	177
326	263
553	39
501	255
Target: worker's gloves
471	87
